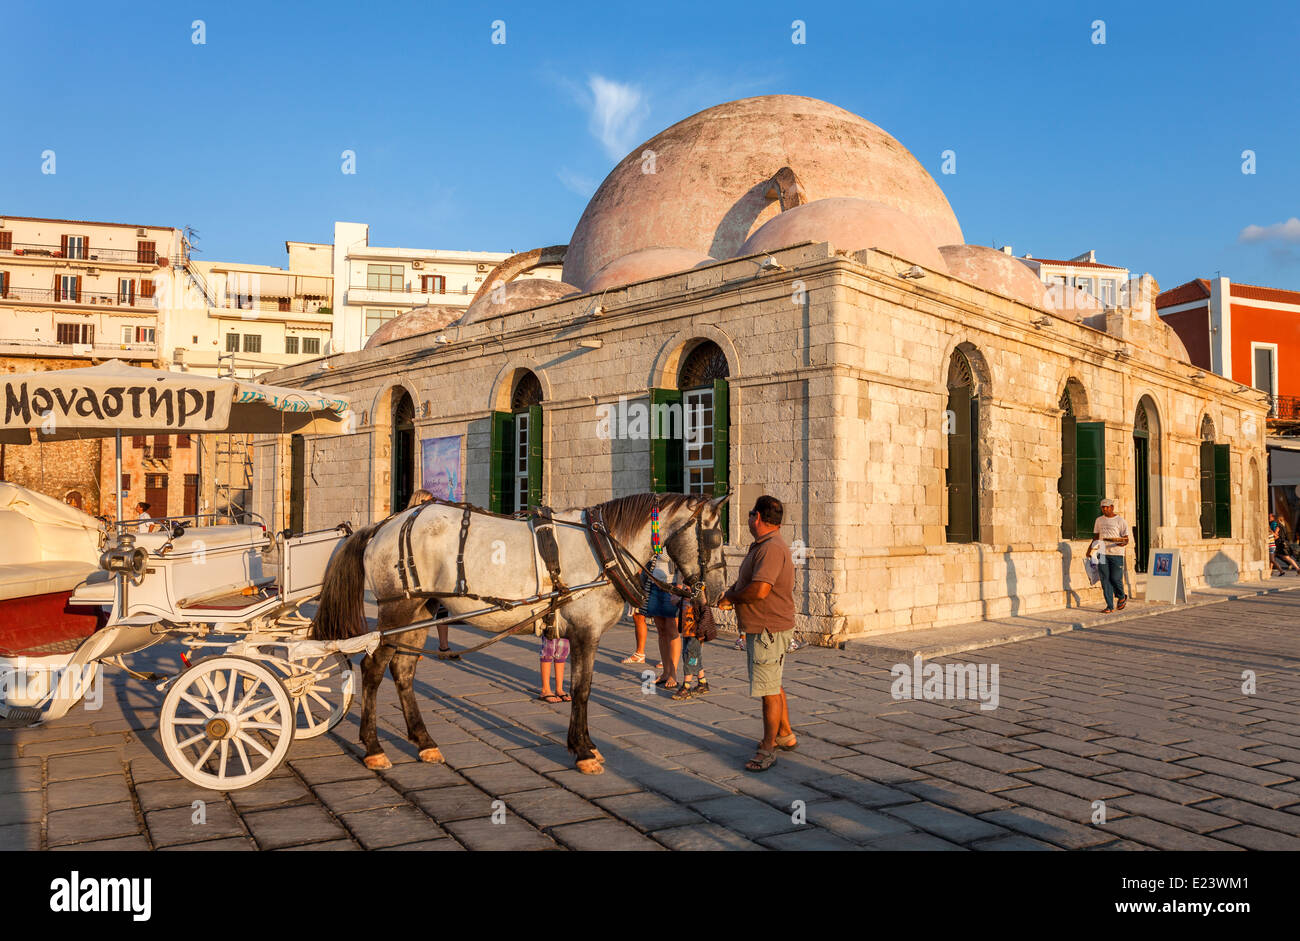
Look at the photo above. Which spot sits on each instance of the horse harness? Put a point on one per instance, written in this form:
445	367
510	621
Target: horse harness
618	565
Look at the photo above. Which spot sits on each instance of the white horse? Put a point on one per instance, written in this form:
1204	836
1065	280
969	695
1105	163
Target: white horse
423	563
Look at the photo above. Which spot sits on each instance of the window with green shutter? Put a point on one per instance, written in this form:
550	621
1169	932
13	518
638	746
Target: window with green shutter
666	441
501	454
962	475
721	445
1067	485
534	455
1207	490
1090	473
1222	493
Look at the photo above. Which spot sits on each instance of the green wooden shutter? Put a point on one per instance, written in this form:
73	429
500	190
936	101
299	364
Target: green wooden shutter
721	443
1090	473
665	444
960	479
534	455
500	454
1207	490
1222	493
1069	482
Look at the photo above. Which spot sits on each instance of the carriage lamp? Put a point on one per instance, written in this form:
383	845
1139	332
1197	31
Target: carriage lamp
125	558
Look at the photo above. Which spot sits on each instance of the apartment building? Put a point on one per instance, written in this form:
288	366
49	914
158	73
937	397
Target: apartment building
1106	285
75	293
373	284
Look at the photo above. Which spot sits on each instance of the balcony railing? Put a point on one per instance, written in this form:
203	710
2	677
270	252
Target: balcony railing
1284	408
406	289
242	304
50	348
130	256
84	296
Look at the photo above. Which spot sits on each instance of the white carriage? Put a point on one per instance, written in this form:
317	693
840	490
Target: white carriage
75	593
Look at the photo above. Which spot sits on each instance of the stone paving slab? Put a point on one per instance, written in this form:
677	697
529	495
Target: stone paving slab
932	642
1147	715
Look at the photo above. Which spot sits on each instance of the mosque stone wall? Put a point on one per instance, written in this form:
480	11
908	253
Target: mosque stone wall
838	373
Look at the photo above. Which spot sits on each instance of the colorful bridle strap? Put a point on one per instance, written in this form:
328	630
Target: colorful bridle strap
656	543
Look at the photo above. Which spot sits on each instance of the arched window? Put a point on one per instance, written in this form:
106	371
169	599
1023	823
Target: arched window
961	422
1146	480
517	448
691	453
1216	485
402	475
1082	483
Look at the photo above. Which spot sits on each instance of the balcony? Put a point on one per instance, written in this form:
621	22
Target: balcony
45	348
119	256
407	295
84	296
1284	409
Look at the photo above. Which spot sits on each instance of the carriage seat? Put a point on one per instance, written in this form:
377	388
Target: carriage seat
23	579
211	537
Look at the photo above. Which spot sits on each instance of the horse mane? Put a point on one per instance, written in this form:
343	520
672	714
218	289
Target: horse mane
625	515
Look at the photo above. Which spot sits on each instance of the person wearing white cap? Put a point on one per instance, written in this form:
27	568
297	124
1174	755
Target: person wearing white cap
1112	531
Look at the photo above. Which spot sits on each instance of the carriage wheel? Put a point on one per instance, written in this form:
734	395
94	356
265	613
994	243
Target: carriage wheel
227	723
320	689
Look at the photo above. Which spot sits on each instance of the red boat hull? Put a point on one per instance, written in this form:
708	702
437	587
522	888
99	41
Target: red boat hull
40	625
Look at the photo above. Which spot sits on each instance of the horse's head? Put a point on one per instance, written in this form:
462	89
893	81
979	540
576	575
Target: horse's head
693	539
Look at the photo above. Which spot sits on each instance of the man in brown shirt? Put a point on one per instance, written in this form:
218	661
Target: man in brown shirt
763	597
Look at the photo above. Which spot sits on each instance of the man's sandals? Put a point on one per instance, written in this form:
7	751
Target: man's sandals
764	759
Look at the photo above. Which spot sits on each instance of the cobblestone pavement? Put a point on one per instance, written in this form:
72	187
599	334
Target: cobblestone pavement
1148	716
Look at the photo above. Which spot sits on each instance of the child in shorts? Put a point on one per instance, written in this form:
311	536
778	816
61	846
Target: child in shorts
692	661
555	652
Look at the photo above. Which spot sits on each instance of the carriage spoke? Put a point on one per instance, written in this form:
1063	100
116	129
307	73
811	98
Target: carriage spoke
320	699
260	706
207	713
243	756
225	754
191	721
259	725
206	754
212	692
252	741
252	691
192	739
231	686
306	712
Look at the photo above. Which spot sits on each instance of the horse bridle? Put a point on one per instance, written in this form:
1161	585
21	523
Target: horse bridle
705	540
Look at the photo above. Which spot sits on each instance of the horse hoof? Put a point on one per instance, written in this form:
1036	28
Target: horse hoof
432	755
590	766
598	756
378	762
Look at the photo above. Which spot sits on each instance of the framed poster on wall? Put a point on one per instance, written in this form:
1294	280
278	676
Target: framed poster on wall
440	463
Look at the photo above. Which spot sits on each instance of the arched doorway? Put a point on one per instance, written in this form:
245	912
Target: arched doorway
516	449
699	460
1142	427
402	470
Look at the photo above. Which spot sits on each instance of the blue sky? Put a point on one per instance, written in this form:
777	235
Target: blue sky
1133	148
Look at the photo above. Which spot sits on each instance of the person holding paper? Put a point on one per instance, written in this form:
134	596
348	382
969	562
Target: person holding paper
1112	532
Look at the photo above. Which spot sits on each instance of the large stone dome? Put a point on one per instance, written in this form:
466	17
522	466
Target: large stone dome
848	224
703	185
998	272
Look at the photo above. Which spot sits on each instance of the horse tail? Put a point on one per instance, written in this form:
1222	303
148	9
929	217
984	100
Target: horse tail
340	612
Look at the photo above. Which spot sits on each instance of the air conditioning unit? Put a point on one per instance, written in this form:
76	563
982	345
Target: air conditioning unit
91	272
417	264
482	267
141	233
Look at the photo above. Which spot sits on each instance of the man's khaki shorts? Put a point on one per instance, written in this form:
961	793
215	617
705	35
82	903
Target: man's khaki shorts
765	657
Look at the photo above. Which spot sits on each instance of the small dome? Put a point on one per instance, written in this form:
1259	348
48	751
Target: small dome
419	320
515	296
643	265
998	272
703	183
851	225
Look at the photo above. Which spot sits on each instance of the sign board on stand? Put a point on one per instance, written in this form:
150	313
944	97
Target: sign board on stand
1165	578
